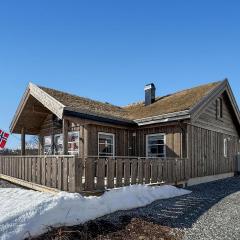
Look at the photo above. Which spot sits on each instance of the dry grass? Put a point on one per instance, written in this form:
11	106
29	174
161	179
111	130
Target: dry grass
135	229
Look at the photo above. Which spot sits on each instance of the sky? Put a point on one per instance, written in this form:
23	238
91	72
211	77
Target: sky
108	50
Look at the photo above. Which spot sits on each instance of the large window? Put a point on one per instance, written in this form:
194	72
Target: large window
155	145
47	142
73	143
106	142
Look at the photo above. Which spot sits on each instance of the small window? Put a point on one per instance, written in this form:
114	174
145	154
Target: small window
225	147
47	145
156	145
73	143
219	108
58	144
106	142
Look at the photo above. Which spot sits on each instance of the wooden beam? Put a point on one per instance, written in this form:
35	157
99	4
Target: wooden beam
85	141
23	142
65	136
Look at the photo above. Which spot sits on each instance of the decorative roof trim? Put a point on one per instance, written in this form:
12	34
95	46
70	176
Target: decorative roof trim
48	101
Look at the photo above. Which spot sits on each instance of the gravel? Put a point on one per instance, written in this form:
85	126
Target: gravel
211	211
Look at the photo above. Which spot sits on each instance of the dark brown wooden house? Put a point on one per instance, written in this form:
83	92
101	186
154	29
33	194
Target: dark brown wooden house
201	125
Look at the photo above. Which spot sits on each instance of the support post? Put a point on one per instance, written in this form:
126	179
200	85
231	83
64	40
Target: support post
23	142
85	140
65	136
40	145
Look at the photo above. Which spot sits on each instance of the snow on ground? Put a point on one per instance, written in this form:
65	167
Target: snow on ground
26	213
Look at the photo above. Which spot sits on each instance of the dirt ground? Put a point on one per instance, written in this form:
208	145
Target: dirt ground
136	229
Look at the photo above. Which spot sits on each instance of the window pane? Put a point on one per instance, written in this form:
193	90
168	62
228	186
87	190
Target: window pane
73	137
105	143
47	140
156	146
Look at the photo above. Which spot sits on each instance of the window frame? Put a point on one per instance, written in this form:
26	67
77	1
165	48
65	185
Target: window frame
225	147
54	137
219	108
164	145
78	142
44	145
113	144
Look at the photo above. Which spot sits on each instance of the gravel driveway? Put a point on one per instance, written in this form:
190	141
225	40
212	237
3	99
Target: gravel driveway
211	211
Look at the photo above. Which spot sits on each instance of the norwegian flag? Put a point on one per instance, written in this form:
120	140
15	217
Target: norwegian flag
3	138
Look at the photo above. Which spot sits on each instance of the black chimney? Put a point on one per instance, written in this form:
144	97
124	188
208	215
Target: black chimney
149	94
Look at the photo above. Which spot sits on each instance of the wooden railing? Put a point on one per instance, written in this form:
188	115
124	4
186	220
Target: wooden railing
73	174
59	172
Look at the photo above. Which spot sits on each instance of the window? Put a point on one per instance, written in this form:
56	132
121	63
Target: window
73	143
155	145
47	145
219	108
58	144
225	147
106	144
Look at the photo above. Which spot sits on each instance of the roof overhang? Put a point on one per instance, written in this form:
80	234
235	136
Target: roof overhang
45	99
98	118
169	117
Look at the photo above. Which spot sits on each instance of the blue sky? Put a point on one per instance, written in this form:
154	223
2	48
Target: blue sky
108	50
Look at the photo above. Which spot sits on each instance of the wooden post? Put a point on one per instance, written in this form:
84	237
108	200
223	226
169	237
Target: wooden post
65	136
23	142
40	145
85	142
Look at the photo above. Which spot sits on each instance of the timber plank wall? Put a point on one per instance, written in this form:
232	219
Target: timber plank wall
132	142
205	152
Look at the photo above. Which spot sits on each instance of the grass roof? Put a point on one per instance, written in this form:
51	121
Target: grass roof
180	101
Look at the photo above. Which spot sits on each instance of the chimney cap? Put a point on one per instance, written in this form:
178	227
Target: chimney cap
149	86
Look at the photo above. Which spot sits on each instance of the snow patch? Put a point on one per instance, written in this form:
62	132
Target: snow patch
26	212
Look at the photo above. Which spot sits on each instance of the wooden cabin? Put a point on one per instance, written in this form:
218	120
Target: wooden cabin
201	125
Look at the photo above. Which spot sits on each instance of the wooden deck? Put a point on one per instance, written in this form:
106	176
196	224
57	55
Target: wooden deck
69	173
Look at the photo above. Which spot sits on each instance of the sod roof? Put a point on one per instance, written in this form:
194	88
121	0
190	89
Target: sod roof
176	102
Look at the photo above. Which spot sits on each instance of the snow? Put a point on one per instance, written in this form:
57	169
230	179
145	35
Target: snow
26	213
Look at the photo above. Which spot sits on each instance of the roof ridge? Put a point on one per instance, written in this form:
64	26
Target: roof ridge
177	92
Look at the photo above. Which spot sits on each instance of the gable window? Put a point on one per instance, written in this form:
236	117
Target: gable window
47	142
219	108
106	144
156	145
73	143
225	147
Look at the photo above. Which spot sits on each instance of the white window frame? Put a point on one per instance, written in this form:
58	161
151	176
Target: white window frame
107	134
44	152
225	147
57	135
78	142
164	139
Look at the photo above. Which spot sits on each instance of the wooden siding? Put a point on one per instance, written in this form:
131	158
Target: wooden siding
205	152
132	142
207	118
